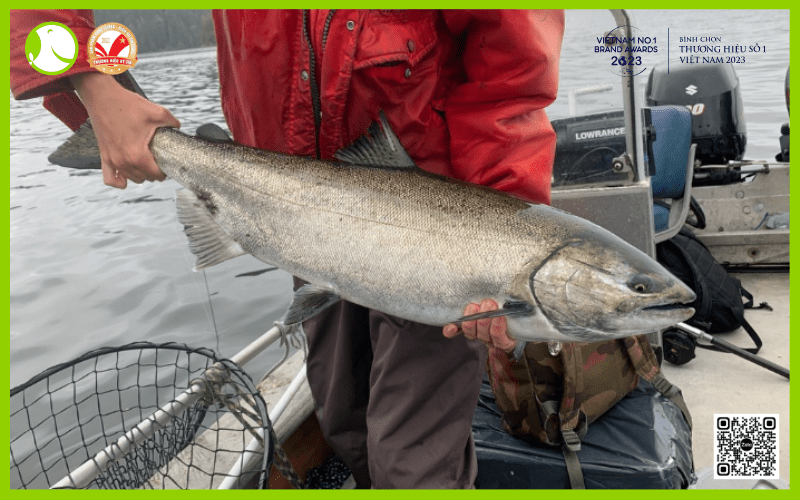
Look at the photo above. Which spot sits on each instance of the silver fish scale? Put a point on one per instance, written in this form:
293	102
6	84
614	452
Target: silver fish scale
405	242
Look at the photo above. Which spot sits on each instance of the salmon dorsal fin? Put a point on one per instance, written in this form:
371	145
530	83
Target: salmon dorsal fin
379	147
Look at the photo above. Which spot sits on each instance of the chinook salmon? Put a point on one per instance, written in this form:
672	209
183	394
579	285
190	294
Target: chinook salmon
376	230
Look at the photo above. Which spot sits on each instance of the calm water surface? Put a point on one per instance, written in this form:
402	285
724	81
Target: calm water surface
94	266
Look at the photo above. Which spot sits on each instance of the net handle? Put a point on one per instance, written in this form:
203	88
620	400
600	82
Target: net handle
89	470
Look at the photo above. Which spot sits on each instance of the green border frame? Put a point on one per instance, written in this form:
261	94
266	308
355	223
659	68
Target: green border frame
581	4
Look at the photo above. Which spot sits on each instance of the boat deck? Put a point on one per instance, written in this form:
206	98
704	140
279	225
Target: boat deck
721	383
712	383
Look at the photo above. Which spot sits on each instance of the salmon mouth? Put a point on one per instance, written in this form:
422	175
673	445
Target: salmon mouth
672	313
668	308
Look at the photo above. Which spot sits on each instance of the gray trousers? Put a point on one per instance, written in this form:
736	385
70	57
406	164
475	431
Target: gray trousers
395	398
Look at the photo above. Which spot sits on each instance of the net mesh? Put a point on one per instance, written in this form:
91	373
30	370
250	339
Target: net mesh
80	413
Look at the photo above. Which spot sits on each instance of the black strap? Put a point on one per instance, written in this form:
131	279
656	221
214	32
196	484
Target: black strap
749	303
749	297
750	331
671	392
699	221
570	448
753	335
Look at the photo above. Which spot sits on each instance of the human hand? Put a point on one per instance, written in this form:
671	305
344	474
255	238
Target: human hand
490	331
124	123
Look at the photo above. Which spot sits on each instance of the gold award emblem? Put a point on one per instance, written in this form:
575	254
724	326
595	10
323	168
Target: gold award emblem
112	49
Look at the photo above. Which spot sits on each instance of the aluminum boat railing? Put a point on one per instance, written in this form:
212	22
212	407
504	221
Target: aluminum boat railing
82	476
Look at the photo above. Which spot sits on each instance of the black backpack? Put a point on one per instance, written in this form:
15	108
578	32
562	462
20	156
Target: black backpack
719	307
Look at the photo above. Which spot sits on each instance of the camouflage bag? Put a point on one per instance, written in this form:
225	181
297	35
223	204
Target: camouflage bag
551	399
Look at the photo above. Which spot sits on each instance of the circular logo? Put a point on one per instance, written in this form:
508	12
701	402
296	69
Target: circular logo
51	48
628	48
747	444
112	49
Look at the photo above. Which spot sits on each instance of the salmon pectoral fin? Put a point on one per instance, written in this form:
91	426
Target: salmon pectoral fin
209	242
307	302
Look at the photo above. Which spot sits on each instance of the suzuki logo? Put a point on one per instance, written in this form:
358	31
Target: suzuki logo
691	90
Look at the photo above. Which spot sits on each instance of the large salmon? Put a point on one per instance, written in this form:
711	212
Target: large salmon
374	229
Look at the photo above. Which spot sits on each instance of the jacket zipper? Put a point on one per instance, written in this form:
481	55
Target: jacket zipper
316	101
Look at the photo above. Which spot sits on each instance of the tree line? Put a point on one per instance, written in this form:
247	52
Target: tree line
158	30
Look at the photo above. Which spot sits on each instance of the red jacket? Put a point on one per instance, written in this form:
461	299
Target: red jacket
464	90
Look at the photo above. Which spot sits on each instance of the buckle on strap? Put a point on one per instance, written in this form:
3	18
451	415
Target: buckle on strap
664	386
571	440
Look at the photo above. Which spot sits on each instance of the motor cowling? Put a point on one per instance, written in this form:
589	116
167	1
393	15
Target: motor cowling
784	138
713	96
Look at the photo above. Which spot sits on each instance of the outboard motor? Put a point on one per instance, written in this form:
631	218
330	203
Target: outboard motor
712	94
784	140
786	86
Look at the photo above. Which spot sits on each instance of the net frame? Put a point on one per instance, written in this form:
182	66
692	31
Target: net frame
66	415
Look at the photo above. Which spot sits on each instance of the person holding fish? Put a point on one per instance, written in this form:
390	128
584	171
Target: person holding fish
465	92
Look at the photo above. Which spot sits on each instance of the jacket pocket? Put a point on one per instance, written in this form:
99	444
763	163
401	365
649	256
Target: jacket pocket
395	38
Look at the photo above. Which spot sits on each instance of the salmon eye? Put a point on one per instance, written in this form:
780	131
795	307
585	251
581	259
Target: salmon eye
641	284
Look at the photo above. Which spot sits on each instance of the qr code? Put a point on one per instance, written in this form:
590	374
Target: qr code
745	446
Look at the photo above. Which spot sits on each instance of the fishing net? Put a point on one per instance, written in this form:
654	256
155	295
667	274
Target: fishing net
137	416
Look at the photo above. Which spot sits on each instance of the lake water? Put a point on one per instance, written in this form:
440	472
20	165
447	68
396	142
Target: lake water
92	266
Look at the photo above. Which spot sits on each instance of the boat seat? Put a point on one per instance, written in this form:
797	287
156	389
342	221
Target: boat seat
643	442
673	153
